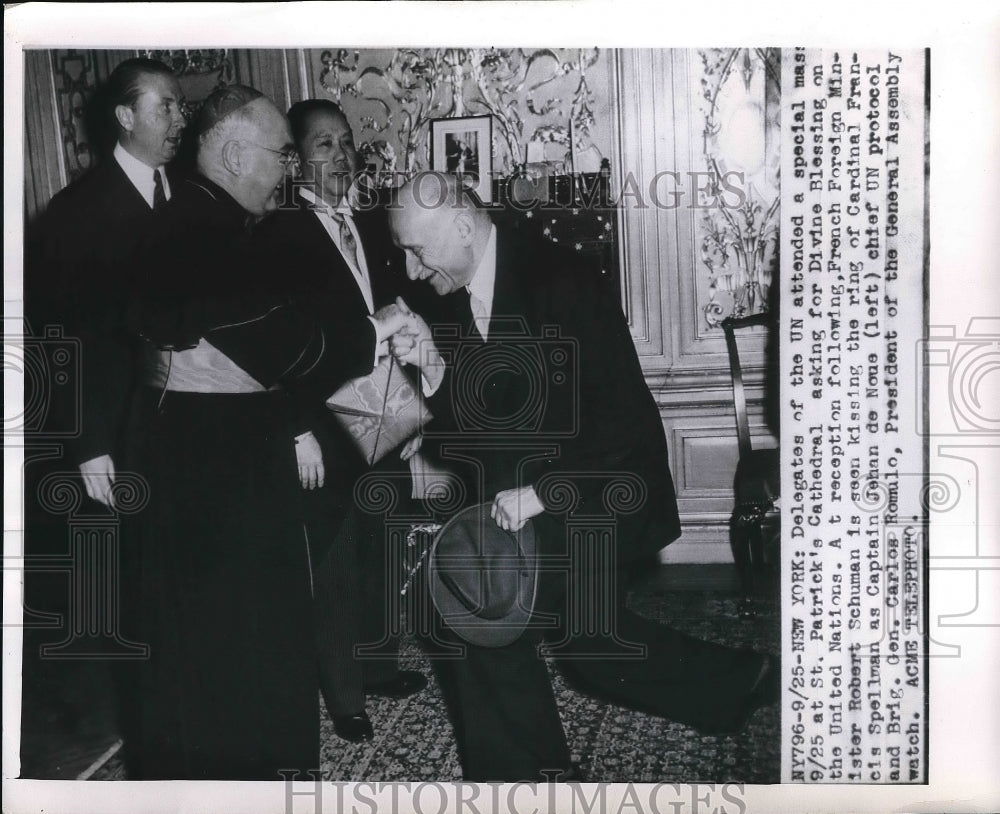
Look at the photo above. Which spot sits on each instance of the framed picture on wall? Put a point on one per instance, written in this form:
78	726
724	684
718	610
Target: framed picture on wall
464	147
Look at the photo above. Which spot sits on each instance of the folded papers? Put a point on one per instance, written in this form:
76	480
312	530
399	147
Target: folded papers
379	411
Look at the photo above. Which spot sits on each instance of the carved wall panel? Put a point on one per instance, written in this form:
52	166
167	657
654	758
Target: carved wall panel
682	120
390	97
675	275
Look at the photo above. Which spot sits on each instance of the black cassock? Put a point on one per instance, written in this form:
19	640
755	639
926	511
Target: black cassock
219	565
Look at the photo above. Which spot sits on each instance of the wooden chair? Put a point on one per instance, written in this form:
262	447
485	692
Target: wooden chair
757	482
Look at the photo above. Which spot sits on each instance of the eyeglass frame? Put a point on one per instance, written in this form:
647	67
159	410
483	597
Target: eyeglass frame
288	158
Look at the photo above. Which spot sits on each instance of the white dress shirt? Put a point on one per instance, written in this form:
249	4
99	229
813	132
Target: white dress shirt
324	213
359	268
481	287
482	284
140	174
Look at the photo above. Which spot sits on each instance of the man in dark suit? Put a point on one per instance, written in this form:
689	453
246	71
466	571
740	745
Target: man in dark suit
344	268
83	262
90	248
573	445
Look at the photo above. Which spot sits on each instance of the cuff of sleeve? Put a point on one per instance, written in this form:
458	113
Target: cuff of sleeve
429	389
382	348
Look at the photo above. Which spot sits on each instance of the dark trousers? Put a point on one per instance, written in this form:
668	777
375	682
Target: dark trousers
351	607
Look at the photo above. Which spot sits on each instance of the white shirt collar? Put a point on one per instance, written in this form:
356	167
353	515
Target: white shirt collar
140	174
343	208
325	212
483	281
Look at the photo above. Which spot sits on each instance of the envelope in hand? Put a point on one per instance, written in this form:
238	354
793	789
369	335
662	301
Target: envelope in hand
379	411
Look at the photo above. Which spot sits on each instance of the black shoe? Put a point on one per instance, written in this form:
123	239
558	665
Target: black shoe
574	774
353	728
406	683
767	688
765	692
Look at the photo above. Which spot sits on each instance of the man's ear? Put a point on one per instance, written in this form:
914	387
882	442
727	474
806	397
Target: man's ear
466	227
126	117
232	157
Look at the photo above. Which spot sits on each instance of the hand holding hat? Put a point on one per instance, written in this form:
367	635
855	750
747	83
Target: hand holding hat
512	508
483	579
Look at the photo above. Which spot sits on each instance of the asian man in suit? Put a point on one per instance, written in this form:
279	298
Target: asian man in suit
557	451
339	265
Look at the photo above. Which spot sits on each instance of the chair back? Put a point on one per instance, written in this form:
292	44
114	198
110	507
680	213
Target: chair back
729	327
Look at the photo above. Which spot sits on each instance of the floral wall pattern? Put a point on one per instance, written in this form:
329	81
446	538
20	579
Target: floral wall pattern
739	100
390	97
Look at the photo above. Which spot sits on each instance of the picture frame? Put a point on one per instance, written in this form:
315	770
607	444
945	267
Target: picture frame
463	146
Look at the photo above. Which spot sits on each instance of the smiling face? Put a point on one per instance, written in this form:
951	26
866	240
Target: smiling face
327	148
436	244
151	128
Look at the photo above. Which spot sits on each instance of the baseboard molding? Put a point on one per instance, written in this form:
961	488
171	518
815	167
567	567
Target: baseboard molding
699	545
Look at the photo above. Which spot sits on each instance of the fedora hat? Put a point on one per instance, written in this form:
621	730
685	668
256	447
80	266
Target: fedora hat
483	579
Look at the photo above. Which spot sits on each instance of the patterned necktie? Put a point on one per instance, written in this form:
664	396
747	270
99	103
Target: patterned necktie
348	245
159	198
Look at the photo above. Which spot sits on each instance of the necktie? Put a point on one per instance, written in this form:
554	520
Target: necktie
348	245
159	198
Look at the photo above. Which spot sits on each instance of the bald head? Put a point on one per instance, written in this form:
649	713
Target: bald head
442	233
247	151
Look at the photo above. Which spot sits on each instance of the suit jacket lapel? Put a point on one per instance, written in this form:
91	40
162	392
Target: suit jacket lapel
510	297
325	247
123	189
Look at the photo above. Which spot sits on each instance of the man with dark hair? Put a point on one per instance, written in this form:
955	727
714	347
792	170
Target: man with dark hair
230	690
89	247
573	442
345	267
85	259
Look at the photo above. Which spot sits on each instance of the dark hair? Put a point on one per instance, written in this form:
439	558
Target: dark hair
122	88
125	83
299	113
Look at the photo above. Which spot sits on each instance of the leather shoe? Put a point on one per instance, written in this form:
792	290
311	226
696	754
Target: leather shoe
767	688
765	692
406	683
353	728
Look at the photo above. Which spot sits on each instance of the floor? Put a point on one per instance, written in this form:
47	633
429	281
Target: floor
68	721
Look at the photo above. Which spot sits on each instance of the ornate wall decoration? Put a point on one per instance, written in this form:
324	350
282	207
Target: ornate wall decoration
193	61
390	97
199	71
74	79
740	103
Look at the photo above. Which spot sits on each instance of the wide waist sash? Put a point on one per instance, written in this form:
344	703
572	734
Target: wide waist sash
202	369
